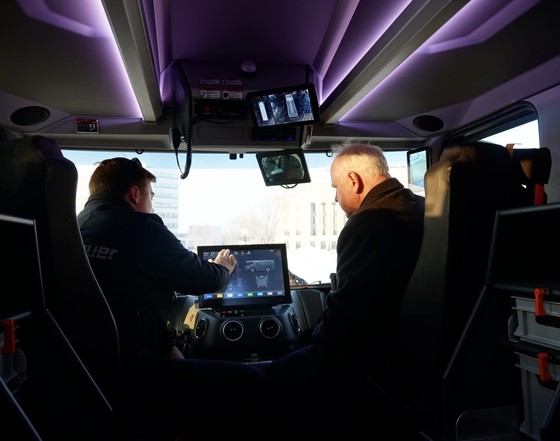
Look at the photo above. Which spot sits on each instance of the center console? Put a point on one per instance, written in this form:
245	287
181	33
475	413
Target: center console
250	335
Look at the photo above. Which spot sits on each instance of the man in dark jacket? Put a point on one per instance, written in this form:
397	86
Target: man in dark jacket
377	251
376	254
138	262
140	266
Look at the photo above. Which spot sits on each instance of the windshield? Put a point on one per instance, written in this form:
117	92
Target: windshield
224	200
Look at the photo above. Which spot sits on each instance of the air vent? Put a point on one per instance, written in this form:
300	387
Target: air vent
201	328
428	123
270	327
31	115
232	330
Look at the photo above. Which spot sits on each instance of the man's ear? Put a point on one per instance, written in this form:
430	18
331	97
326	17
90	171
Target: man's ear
133	195
357	182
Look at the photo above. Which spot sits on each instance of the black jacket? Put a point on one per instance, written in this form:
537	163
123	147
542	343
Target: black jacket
376	253
140	265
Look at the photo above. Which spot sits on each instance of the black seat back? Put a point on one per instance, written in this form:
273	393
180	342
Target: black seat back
463	191
39	183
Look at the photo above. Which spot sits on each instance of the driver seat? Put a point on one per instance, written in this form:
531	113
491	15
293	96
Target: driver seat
39	183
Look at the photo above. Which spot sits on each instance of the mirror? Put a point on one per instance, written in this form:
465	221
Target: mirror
286	167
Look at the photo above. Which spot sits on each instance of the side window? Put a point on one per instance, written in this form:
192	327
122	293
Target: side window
523	136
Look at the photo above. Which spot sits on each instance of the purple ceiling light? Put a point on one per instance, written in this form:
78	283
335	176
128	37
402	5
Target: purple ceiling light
413	26
87	18
476	22
348	42
89	10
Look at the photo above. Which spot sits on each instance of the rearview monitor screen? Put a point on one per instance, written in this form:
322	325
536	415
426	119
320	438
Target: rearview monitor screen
283	106
286	167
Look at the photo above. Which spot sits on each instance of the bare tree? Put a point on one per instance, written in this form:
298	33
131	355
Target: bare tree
256	227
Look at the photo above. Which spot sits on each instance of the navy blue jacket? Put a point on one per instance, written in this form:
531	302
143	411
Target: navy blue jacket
140	266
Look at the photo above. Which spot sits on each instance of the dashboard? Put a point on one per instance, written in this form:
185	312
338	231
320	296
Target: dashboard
254	335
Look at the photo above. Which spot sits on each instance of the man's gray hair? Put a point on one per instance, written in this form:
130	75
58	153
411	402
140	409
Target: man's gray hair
366	159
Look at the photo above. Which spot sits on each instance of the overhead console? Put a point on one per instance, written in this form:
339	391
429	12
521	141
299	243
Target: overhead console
223	116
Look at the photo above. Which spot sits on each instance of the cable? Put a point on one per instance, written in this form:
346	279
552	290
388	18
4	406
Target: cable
188	142
182	130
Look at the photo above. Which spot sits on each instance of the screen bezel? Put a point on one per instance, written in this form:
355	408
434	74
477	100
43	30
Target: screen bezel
271	179
253	302
417	169
20	237
253	99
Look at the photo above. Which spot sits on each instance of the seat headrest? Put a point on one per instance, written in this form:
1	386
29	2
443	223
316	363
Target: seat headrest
23	164
483	153
489	168
535	165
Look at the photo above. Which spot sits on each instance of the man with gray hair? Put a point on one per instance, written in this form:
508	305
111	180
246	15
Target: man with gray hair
376	254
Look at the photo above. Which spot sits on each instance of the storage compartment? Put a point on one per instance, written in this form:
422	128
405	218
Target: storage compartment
544	331
522	268
539	379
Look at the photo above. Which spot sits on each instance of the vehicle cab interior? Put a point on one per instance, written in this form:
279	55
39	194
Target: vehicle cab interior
462	96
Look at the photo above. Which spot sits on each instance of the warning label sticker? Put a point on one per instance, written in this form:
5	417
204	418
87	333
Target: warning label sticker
221	88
